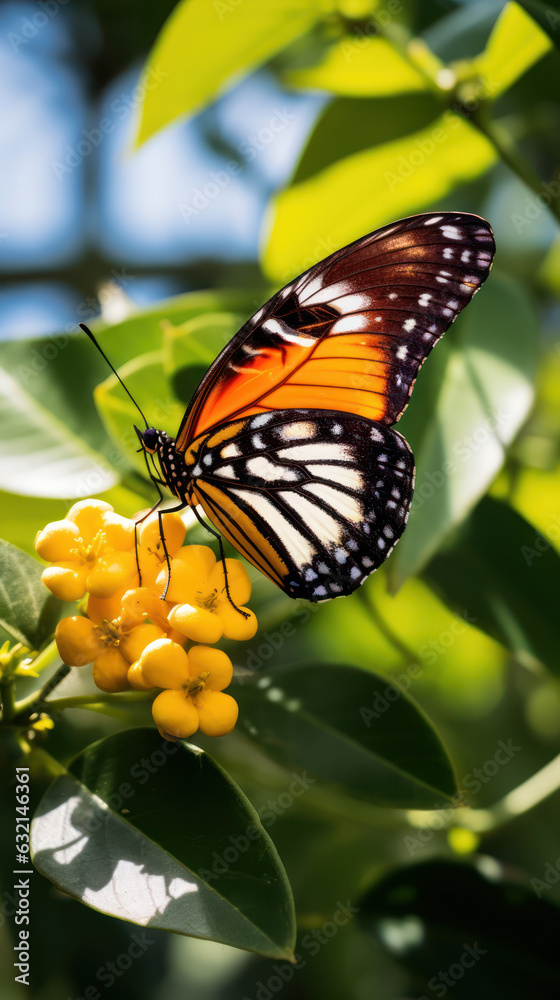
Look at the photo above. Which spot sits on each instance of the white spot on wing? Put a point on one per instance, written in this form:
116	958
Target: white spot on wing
402	352
230	451
409	324
303	429
436	218
317	452
451	232
286	333
263	468
261	420
226	471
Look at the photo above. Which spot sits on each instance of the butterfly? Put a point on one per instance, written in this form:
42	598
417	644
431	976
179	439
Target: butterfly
288	444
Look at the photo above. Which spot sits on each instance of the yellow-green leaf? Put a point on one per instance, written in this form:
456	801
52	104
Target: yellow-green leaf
204	45
361	66
363	191
515	44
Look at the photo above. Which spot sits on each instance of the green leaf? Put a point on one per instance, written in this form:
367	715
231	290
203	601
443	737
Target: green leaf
146	380
547	15
158	834
515	44
190	349
507	576
484	396
349	728
488	937
39	454
352	125
361	67
204	46
28	612
361	192
146	331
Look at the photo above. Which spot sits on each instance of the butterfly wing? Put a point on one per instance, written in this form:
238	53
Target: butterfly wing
315	499
351	333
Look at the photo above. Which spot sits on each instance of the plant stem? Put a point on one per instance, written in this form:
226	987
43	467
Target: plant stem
386	631
508	152
96	704
517	802
39	696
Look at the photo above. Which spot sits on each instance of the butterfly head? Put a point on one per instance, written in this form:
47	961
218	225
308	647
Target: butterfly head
149	439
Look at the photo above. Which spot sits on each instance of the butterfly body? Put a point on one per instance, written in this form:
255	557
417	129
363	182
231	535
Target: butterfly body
287	444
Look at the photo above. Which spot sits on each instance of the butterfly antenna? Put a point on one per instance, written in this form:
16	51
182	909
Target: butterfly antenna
89	334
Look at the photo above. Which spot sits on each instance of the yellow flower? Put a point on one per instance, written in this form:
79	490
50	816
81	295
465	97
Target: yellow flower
197	587
151	554
91	550
194	698
110	646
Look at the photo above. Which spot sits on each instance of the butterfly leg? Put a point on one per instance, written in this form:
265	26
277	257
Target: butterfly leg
217	535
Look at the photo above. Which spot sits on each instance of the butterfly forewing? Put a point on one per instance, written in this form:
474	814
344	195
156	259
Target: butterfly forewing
351	333
316	499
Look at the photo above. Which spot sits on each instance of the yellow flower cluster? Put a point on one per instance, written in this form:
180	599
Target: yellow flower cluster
134	637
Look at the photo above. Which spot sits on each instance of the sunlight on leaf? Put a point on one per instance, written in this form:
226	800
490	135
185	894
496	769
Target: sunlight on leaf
143	829
39	455
361	66
370	188
515	44
204	46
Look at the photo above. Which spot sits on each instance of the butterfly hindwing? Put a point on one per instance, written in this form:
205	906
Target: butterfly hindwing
316	499
351	333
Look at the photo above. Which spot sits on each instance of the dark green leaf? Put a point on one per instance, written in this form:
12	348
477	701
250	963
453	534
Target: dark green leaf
506	576
157	833
28	612
466	931
547	15
350	125
350	728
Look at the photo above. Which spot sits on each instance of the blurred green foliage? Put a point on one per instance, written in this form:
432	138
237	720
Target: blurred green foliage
424	108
